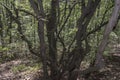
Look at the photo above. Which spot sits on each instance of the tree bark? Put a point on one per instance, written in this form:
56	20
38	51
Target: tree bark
51	28
39	11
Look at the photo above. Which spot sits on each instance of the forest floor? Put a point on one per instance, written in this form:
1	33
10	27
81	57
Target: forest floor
111	71
21	69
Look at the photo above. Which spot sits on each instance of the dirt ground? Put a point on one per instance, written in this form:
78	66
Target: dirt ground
7	73
112	71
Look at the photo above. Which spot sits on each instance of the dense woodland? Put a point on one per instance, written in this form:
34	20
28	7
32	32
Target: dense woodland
60	39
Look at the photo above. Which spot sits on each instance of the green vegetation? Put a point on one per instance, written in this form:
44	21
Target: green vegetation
60	35
19	68
24	67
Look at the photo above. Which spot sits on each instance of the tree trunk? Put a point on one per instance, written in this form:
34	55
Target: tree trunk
82	24
112	22
51	28
39	11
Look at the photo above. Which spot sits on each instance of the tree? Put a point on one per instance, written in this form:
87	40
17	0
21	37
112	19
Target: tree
112	22
78	53
66	26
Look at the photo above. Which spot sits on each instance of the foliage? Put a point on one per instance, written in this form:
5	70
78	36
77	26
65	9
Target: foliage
61	33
